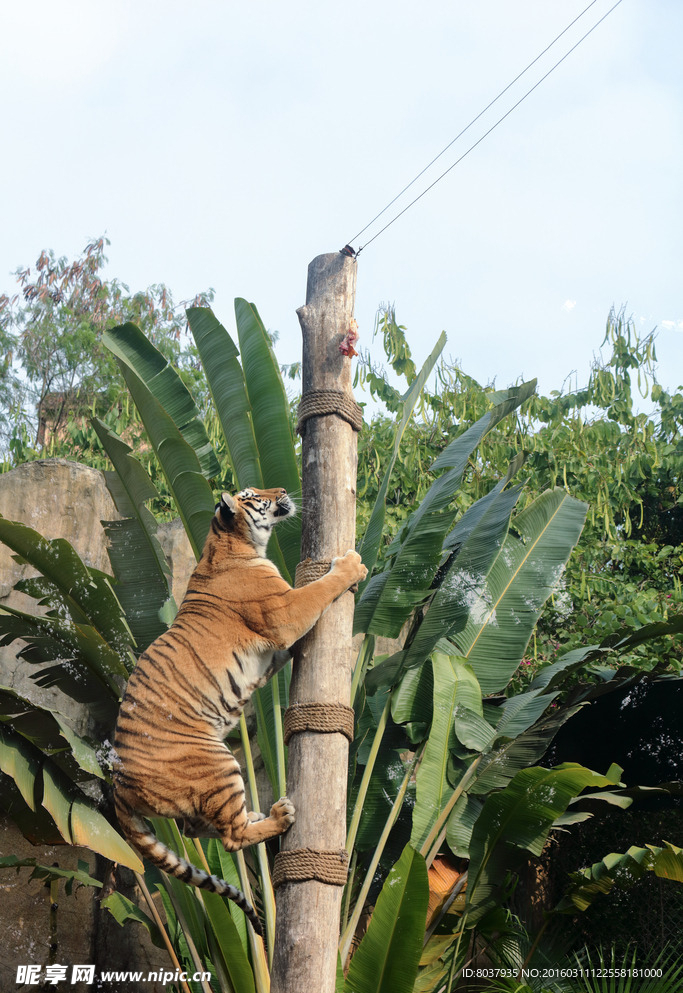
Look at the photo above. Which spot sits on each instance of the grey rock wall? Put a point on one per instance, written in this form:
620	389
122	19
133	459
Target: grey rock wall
59	499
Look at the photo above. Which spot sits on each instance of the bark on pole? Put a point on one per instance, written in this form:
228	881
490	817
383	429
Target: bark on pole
308	912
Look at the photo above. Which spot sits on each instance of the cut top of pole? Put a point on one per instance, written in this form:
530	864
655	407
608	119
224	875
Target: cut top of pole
325	319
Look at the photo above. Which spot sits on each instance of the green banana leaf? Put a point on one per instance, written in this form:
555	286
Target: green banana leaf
473	730
269	724
228	945
385	783
219	356
72	656
390	596
470	520
85	594
436	962
455	456
610	649
370	542
122	909
502	615
51	734
138	561
137	353
191	492
517	819
222	864
339	978
271	421
517	713
187	924
182	904
501	759
470	549
51	873
478	539
455	685
388	957
207	917
41	782
248	449
513	750
412	701
461	823
576	816
620	871
36	825
140	586
464	581
83	642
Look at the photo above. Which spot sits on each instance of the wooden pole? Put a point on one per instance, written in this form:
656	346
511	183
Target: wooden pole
308	912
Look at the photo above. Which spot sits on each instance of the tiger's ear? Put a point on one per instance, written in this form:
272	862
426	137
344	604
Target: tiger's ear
227	508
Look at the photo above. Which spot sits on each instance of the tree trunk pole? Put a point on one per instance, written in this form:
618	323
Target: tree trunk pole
308	912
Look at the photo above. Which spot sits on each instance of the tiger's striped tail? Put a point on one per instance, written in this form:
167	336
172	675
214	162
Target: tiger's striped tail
149	846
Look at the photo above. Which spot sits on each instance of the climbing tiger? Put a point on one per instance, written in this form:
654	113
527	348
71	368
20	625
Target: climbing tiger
188	689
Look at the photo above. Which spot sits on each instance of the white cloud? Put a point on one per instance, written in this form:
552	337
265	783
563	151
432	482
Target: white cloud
569	305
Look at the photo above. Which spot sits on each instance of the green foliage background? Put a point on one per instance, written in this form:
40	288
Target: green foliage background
596	442
450	728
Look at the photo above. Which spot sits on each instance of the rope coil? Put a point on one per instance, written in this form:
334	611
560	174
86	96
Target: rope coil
320	403
324	718
308	571
305	864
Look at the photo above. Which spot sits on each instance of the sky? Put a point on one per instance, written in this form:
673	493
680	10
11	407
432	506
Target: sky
225	145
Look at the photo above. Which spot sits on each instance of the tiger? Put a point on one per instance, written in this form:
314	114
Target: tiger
187	691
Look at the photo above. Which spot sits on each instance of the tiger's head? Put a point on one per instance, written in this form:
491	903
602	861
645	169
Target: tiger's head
252	514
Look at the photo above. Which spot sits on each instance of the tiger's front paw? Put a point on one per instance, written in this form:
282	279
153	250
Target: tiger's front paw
283	812
351	567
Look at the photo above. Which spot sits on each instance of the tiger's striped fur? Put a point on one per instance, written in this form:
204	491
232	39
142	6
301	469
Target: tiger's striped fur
189	688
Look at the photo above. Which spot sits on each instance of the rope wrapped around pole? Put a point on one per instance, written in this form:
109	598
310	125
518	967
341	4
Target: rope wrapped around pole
320	403
324	718
304	864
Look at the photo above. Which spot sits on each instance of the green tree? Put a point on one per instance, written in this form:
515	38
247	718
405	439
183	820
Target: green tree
56	372
594	442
